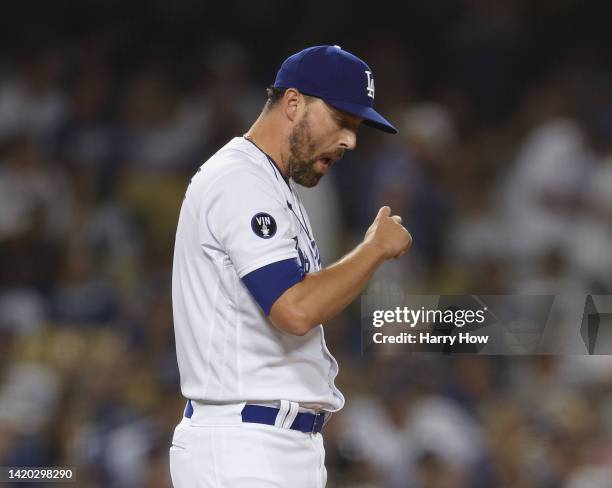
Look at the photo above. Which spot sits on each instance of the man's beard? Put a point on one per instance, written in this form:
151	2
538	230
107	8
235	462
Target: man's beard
302	157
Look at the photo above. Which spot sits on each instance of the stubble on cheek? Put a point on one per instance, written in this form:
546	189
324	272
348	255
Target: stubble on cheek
302	156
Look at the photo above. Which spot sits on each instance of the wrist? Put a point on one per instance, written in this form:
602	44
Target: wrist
372	248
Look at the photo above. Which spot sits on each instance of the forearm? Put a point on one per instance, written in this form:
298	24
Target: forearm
324	294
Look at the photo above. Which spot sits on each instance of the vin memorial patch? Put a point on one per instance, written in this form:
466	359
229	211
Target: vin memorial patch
264	225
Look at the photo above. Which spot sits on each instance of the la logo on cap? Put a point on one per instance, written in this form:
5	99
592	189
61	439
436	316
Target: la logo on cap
370	86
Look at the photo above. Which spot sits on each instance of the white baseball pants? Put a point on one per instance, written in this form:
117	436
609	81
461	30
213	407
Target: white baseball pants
215	449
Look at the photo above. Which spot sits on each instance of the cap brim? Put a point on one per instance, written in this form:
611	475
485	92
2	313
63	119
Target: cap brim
370	116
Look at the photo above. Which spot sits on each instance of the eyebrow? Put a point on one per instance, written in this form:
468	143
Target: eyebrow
338	116
343	119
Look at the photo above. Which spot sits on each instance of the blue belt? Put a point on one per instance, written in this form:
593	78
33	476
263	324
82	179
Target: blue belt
311	423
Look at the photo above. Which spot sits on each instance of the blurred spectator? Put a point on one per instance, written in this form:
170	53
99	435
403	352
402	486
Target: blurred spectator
404	430
37	206
31	100
156	133
32	188
543	192
221	100
591	250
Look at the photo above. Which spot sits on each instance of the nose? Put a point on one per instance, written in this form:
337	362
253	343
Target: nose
348	139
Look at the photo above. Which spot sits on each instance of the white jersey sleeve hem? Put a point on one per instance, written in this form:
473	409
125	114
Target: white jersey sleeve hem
264	262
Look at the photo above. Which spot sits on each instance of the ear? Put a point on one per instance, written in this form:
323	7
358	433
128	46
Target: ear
293	101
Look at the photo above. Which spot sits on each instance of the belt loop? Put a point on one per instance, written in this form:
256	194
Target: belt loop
285	406
328	416
294	408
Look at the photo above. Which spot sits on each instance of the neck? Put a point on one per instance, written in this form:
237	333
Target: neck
268	135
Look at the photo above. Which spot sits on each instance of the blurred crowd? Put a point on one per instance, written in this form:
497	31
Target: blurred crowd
502	173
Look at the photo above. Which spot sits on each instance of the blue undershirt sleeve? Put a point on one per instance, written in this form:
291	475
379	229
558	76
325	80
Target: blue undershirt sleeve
269	282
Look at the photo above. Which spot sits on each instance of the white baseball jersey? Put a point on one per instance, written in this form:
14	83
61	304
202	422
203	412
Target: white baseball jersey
243	238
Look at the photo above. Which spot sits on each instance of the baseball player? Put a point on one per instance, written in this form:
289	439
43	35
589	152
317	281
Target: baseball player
249	294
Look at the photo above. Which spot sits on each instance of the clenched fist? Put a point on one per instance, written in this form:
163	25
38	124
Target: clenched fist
388	234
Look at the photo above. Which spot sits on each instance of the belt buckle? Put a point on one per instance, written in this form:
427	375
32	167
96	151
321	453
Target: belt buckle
314	423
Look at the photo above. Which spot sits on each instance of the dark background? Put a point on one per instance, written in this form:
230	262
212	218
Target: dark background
502	172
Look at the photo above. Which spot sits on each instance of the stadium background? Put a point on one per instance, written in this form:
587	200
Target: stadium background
502	171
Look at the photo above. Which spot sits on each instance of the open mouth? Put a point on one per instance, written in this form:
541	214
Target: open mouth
326	161
325	164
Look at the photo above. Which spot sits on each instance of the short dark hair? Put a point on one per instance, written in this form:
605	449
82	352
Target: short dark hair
274	94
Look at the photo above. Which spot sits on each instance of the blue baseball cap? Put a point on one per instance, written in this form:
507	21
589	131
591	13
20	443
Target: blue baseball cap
336	76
